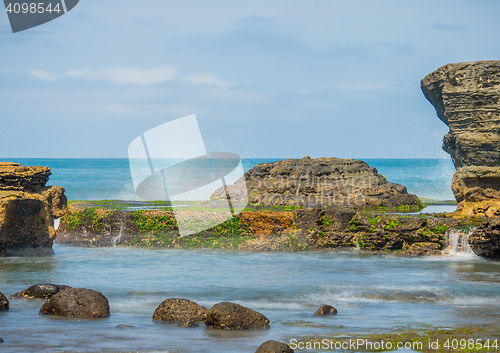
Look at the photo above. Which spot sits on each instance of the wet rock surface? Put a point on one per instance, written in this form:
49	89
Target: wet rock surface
4	303
230	316
27	210
180	311
77	303
40	291
313	183
325	309
485	241
274	347
466	98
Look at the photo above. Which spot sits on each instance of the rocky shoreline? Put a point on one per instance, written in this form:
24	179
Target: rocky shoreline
275	229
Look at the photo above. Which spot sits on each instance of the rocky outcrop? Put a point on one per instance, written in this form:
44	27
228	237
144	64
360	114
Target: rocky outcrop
77	303
28	209
40	291
230	316
274	347
4	303
466	97
485	241
181	311
321	182
325	309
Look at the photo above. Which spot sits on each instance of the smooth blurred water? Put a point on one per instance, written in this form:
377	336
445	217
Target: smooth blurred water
372	293
109	179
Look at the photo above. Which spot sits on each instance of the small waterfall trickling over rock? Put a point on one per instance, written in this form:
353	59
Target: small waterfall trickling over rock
117	238
457	241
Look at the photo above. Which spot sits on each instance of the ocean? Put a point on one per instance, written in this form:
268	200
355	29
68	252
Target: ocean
373	293
110	179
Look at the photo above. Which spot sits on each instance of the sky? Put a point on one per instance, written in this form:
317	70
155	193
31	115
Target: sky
266	79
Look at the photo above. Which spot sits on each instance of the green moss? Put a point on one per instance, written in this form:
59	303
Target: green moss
354	224
321	234
325	221
148	224
392	223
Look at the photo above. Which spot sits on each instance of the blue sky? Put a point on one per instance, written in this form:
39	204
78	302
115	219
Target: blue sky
265	78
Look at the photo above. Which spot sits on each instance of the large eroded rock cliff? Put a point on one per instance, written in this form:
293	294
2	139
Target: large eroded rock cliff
28	209
466	98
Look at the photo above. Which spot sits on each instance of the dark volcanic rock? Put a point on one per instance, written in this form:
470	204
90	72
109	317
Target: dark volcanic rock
325	309
40	291
4	303
313	183
181	311
27	210
274	347
485	241
78	303
230	316
466	98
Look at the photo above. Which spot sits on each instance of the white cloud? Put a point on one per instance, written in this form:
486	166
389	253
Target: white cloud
128	75
43	75
207	79
139	110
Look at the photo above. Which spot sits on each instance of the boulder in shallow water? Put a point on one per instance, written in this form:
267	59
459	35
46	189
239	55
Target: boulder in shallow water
40	291
181	311
485	241
274	347
325	309
78	303
4	303
230	316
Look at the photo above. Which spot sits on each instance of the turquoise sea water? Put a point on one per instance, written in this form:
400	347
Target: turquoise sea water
109	179
372	293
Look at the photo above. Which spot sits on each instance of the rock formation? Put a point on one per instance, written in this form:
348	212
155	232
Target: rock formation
4	303
485	241
325	309
313	183
181	311
466	98
40	291
274	347
230	316
77	303
28	209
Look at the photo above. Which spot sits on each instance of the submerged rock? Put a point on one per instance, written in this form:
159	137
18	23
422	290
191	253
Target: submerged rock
325	309
274	347
181	311
466	98
321	182
4	303
27	210
40	291
77	303
485	241
230	316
